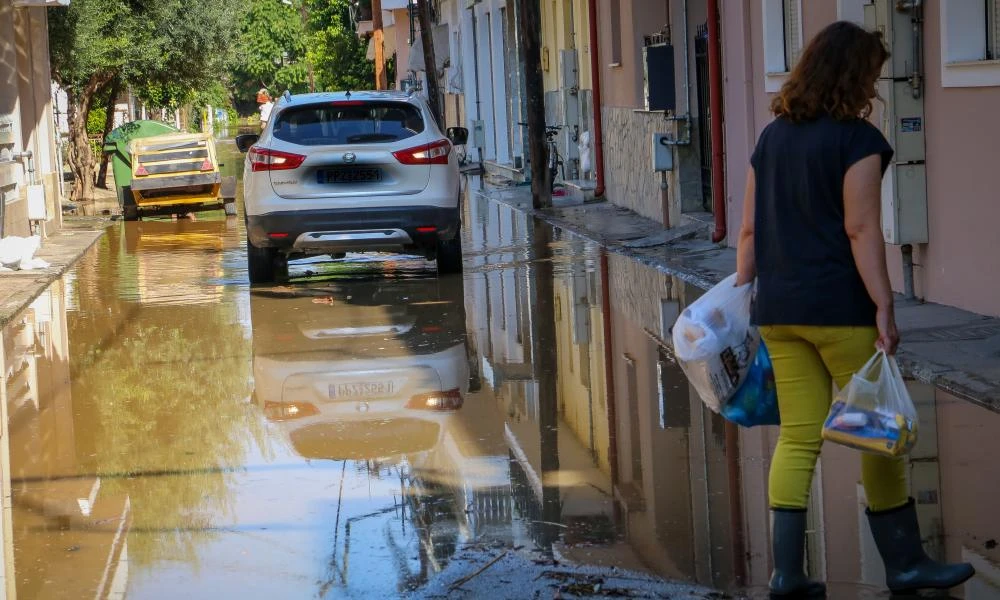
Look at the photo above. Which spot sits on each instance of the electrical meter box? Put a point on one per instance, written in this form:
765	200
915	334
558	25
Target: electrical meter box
901	119
663	152
478	134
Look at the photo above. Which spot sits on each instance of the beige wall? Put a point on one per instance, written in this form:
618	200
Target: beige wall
961	154
565	25
25	100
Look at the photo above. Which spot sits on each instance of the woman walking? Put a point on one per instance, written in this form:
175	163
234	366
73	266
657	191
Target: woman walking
812	237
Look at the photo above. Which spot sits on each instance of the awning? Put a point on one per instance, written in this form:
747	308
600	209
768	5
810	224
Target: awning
441	50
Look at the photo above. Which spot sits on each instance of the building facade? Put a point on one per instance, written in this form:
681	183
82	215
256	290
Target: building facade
945	209
30	161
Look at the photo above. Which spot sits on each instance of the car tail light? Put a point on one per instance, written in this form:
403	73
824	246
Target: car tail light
265	159
288	411
435	153
207	165
347	103
141	171
444	400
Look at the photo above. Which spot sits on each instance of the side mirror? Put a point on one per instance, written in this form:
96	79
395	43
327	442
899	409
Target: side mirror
459	136
243	142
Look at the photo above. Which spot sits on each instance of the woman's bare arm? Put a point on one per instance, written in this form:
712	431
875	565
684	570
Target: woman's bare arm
863	223
746	263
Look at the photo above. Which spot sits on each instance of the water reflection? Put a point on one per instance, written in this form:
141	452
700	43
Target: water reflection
169	432
681	493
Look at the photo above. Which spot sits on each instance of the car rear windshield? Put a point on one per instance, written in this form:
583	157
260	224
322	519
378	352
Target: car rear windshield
348	123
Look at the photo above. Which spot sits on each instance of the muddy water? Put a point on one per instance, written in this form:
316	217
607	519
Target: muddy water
169	432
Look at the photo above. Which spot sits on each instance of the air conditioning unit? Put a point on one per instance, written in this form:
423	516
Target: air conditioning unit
658	76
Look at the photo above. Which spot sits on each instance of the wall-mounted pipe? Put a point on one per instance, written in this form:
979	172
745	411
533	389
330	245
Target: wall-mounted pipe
595	74
916	10
715	108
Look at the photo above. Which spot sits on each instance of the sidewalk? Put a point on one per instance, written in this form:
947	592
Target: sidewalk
955	350
61	250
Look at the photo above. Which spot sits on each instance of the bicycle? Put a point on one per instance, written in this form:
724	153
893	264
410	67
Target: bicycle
556	165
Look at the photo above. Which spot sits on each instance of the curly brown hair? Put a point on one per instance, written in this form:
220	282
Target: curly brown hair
836	75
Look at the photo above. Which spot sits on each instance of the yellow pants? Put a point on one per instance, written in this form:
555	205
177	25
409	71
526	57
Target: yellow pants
807	361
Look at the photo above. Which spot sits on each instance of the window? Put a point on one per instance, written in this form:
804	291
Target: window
616	33
992	29
970	43
782	40
792	22
348	123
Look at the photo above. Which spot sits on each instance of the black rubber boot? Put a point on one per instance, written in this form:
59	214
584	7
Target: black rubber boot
788	546
907	566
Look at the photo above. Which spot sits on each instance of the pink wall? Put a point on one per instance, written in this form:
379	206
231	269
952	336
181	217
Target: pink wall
962	177
962	184
622	86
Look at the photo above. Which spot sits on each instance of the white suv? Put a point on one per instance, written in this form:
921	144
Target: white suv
334	172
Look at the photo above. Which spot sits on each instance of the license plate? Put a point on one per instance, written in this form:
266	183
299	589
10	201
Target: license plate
349	176
362	389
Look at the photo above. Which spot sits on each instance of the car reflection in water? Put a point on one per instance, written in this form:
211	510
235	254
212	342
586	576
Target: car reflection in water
377	372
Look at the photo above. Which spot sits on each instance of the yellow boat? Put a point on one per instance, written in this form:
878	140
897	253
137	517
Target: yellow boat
177	173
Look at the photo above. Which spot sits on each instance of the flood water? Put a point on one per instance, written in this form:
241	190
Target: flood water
170	432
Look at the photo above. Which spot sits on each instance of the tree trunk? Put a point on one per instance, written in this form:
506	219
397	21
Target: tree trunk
430	61
109	123
531	58
80	157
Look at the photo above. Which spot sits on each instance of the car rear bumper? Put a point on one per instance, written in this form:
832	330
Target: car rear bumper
341	230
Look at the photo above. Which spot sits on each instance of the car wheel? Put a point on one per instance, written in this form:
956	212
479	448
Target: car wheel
230	207
265	264
449	256
130	211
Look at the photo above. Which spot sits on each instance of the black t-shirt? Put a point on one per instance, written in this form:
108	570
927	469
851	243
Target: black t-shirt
806	273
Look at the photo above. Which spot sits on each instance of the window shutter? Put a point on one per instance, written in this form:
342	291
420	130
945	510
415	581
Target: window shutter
793	28
993	39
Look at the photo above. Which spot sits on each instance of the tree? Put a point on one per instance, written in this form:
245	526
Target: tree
339	55
271	49
88	44
170	46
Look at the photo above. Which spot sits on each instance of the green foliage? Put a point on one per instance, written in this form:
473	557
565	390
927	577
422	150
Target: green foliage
88	38
271	49
338	54
167	50
95	122
278	43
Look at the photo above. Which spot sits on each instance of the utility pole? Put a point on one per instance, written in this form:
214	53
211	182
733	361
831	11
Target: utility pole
531	58
381	81
430	61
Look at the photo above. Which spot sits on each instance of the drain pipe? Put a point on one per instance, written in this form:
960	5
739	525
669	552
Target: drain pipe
609	375
908	288
715	109
595	77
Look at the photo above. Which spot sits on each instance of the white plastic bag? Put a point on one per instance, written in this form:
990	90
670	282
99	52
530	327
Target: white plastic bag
715	343
18	253
584	147
874	412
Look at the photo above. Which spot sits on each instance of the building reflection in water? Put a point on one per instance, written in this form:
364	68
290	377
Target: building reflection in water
648	478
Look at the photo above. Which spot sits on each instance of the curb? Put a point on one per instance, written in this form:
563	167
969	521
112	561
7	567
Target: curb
62	250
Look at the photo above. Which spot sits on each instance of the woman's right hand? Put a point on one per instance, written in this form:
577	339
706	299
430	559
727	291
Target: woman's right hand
888	336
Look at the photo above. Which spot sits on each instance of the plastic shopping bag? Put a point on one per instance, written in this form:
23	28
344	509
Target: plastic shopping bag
715	343
756	401
874	412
